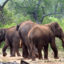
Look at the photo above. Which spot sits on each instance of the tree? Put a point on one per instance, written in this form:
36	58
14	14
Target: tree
1	11
37	9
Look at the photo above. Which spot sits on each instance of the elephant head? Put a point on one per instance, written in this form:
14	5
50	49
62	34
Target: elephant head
57	31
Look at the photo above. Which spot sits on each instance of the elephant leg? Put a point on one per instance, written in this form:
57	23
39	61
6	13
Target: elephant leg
4	49
12	52
54	48
14	47
17	50
40	54
33	51
46	52
18	54
24	51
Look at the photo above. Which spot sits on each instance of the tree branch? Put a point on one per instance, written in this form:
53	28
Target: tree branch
49	15
4	4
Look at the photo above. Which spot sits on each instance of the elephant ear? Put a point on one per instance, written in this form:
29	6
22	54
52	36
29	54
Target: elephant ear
54	26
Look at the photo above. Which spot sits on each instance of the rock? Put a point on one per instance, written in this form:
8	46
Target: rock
23	62
9	62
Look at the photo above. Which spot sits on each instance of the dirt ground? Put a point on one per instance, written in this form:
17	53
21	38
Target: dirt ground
51	59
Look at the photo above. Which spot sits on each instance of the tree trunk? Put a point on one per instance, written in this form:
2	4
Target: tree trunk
2	13
43	16
35	14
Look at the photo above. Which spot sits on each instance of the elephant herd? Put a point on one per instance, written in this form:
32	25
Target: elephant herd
32	38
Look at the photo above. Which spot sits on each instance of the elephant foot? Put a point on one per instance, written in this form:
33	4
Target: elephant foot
18	55
37	56
29	57
25	56
40	58
33	59
12	56
45	58
4	54
56	57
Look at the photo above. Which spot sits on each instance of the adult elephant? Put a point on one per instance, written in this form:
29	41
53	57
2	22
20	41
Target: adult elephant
42	35
11	37
23	30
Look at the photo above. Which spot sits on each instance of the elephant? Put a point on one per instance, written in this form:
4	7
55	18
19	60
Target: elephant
23	30
2	35
41	36
11	37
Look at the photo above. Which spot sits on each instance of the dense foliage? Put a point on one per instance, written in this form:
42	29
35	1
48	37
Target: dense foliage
16	11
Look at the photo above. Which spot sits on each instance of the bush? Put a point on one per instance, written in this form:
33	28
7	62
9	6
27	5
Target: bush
9	25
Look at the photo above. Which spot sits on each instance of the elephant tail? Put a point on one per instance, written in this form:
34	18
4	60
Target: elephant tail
17	27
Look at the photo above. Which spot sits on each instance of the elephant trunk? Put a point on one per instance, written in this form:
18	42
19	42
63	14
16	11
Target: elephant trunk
62	38
62	42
